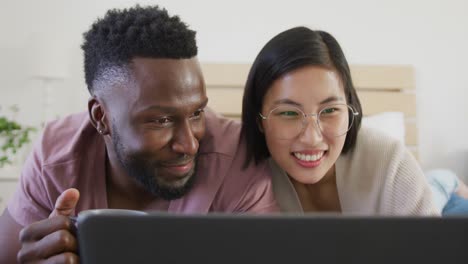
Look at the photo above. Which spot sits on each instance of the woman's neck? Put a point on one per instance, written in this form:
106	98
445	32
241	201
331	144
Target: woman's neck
320	196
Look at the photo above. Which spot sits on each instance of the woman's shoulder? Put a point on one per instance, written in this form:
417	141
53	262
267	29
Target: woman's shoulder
372	144
380	168
369	138
375	153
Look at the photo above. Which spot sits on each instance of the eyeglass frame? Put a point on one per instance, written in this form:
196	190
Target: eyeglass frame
305	122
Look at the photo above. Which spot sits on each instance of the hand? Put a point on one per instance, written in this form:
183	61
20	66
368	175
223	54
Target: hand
52	240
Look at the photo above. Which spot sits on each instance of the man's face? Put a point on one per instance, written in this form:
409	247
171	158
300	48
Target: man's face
157	121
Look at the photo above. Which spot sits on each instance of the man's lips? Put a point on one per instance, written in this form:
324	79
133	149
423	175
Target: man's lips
179	168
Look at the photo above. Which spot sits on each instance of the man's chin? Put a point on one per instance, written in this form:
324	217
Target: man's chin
163	184
174	182
174	189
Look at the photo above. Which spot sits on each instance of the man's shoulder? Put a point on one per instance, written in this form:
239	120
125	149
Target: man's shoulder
225	150
246	187
68	154
222	135
65	138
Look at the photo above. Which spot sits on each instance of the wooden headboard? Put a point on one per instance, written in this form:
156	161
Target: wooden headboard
380	89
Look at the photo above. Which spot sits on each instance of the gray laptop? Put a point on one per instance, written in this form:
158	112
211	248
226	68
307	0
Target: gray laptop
122	237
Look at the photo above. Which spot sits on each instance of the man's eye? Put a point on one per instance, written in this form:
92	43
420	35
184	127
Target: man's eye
163	122
197	114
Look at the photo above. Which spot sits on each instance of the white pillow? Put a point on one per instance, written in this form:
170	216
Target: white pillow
390	123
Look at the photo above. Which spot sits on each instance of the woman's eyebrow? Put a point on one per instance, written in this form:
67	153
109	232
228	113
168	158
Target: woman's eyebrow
332	99
286	101
325	101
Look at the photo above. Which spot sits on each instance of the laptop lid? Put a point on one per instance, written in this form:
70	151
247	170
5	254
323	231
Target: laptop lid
122	237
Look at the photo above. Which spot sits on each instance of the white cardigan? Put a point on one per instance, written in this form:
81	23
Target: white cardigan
378	177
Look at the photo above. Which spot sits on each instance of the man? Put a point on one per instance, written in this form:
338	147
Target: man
148	142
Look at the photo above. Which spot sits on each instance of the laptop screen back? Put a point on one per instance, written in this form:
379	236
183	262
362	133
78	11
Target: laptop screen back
166	238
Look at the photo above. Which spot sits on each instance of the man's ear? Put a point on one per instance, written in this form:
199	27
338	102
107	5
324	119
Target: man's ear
97	115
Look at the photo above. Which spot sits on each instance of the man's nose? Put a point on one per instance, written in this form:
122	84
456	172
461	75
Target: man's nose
184	140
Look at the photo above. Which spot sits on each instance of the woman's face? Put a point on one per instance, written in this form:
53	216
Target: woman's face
308	156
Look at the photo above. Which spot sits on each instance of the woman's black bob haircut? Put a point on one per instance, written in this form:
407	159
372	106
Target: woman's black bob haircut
292	49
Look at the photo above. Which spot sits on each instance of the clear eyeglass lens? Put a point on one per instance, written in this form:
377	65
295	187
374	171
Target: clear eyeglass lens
287	122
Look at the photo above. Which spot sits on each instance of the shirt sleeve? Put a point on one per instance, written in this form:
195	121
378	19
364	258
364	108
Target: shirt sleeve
443	184
30	202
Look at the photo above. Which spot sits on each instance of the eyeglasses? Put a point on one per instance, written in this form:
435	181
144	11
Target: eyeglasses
287	122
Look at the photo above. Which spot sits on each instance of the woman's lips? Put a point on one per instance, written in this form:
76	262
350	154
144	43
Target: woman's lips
309	160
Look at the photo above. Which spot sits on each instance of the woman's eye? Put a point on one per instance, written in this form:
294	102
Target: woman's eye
289	113
329	110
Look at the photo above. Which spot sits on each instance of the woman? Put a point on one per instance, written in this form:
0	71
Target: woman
301	111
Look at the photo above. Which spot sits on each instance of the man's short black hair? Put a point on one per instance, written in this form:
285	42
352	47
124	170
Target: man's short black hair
122	35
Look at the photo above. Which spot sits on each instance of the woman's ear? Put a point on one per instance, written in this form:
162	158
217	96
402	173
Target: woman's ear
97	115
260	125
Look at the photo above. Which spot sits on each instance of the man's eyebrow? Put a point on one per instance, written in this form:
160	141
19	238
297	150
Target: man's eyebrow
204	103
160	108
171	109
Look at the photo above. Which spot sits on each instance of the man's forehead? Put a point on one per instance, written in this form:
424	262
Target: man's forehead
162	84
166	72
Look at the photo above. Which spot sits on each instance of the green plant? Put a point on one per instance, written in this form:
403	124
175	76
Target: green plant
13	136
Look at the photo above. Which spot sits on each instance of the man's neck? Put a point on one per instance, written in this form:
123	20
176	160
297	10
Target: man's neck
124	192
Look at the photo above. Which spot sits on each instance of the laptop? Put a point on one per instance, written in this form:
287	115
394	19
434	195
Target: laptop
127	237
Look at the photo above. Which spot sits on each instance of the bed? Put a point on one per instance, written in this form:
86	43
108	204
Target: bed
386	91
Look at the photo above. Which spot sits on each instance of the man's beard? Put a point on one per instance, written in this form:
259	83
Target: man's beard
146	173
